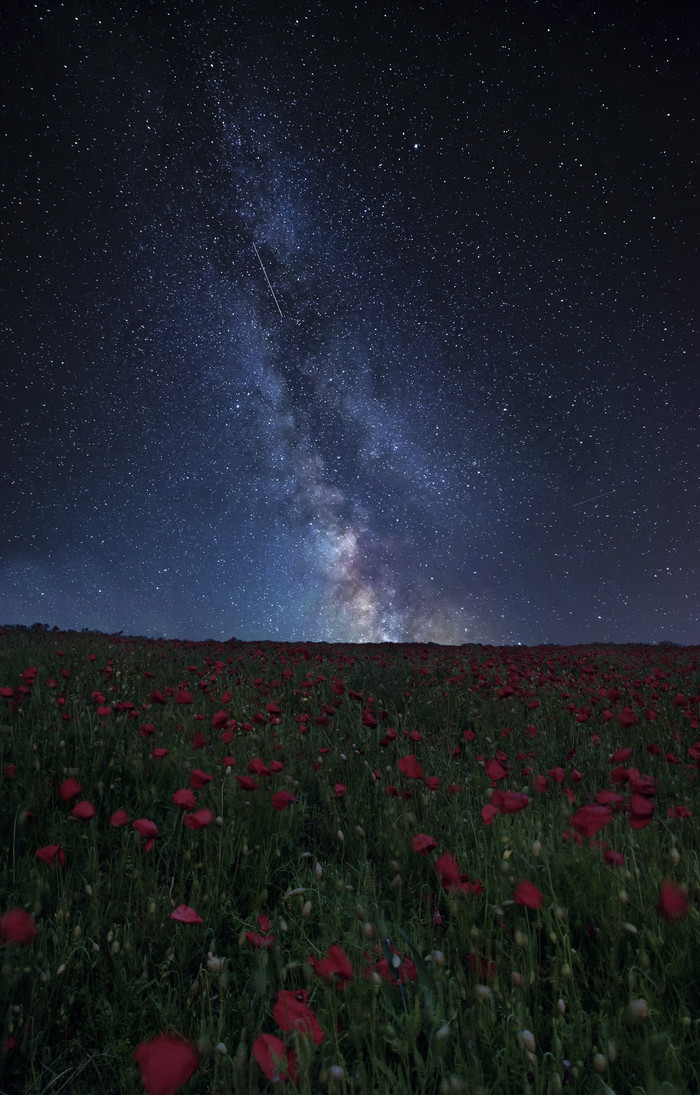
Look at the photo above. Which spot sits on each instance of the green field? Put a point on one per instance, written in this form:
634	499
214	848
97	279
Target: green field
257	867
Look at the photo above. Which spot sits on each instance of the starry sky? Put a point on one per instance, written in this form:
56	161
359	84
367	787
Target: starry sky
356	322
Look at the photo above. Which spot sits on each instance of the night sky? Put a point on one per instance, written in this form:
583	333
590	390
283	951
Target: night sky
351	321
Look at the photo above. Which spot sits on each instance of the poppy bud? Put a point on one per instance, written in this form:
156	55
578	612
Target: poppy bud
528	1040
638	1010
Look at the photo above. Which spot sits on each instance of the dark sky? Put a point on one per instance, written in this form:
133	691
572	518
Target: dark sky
454	395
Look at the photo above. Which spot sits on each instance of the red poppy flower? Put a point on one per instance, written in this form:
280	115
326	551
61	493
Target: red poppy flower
589	820
262	942
620	774
148	829
495	770
404	969
678	812
447	871
641	812
673	901
17	926
335	964
186	915
291	1012
84	810
184	799
69	789
410	767
199	820
258	767
509	802
166	1063
529	895
621	756
540	783
608	798
627	717
282	799
433	783
199	779
119	818
339	790
52	852
219	719
422	843
247	783
276	1060
488	813
640	785
614	859
182	696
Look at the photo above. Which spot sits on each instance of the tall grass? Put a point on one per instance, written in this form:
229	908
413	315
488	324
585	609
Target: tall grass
457	986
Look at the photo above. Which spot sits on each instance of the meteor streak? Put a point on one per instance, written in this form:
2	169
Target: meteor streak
268	281
595	497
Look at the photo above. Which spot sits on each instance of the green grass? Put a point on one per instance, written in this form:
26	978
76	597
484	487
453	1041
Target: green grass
491	996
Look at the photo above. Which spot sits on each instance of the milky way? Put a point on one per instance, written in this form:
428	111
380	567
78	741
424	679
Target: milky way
352	322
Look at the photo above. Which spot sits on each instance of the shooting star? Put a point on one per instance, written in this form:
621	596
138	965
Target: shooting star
269	283
595	497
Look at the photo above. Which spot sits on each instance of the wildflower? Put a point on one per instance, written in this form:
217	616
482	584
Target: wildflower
292	1013
69	789
166	1063
335	964
422	843
184	799
673	901
199	779
17	926
495	770
83	810
410	767
199	820
509	802
52	852
589	820
447	871
276	1060
148	829
529	895
247	783
282	799
186	915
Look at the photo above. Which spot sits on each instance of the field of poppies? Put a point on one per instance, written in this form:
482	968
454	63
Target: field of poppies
274	867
